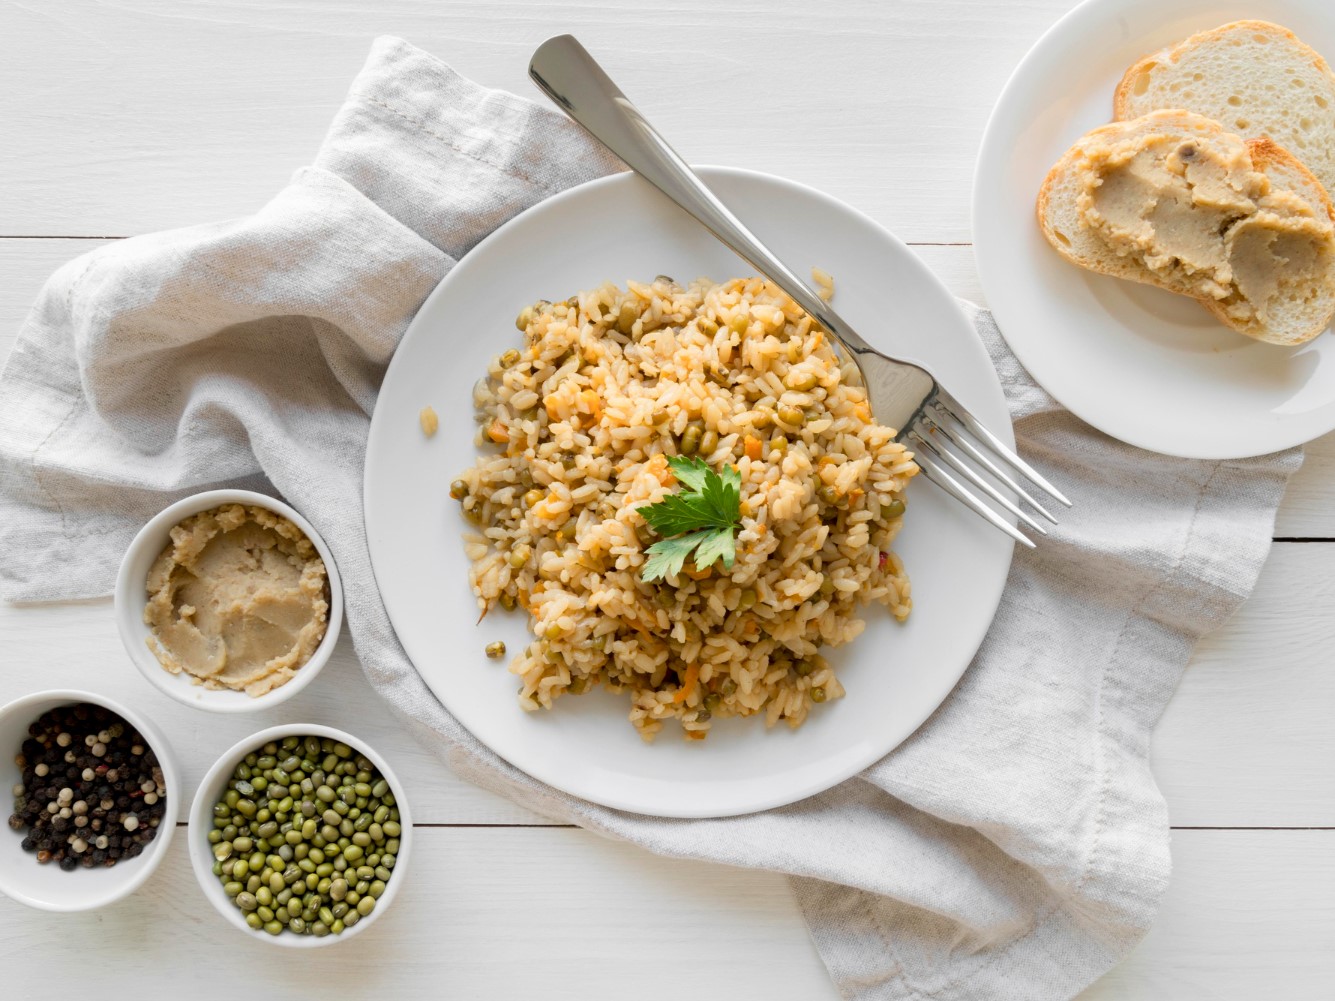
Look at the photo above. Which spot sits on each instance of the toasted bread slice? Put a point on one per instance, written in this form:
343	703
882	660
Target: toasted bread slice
1253	77
1296	313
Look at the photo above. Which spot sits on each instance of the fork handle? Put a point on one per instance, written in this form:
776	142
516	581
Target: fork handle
566	73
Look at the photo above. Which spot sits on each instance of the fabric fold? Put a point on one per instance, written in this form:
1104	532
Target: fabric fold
1016	846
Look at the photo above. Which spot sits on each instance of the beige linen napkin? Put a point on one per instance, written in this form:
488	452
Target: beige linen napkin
1014	848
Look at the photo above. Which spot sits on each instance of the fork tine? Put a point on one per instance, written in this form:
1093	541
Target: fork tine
962	467
938	475
949	405
981	457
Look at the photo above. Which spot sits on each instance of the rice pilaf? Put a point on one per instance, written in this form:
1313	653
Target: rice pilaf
576	429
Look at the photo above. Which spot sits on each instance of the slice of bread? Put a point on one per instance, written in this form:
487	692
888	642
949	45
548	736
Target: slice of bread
1254	78
1297	313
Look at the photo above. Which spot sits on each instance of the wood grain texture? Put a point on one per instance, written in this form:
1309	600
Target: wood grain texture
128	116
562	914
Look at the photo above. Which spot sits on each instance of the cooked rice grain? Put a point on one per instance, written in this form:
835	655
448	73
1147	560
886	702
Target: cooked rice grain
575	435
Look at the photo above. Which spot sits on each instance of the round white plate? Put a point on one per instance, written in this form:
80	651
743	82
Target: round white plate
1146	366
620	228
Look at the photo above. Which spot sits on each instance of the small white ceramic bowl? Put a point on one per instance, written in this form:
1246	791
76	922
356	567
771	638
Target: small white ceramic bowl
132	597
49	887
201	822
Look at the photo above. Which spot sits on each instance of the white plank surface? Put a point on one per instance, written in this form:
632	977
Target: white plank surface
126	116
562	914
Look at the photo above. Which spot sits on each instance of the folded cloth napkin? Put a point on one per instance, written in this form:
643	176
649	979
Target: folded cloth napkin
1014	848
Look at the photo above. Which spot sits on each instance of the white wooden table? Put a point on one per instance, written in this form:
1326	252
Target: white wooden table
124	116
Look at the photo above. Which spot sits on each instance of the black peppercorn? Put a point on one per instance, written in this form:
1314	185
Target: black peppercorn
94	791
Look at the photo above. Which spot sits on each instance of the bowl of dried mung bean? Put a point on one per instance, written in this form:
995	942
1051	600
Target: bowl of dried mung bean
299	835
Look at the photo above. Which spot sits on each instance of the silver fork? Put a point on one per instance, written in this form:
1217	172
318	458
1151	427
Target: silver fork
949	443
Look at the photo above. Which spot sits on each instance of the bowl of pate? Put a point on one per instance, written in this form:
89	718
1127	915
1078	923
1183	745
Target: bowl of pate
229	601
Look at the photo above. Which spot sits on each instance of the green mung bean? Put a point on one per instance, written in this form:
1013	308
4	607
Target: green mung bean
305	837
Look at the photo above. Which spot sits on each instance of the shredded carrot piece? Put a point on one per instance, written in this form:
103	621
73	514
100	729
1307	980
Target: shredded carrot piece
855	494
697	574
552	406
762	528
863	412
688	684
659	468
498	432
696	734
753	447
591	401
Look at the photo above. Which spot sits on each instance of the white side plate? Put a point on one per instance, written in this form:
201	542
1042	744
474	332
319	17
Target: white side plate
1146	366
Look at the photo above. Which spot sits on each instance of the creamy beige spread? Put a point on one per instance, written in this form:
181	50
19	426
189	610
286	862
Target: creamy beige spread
237	600
1198	215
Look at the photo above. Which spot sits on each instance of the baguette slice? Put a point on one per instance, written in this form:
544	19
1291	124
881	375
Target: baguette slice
1298	311
1254	78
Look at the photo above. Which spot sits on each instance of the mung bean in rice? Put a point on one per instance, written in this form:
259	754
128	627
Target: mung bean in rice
575	430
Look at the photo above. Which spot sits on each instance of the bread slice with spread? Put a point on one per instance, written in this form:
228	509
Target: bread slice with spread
1253	77
1172	199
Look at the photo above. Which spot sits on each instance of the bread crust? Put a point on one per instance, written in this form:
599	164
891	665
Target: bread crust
1266	155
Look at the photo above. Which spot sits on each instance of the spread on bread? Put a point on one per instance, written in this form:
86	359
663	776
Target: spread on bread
1209	205
1194	212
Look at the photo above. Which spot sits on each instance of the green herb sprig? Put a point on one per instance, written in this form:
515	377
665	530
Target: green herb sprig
702	519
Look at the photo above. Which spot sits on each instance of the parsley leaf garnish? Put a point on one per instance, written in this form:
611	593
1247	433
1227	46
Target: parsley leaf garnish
701	519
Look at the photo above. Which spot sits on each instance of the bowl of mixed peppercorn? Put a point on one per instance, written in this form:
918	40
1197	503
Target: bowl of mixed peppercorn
93	797
299	835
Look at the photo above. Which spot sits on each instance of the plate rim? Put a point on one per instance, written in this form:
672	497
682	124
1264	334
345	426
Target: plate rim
992	601
1054	36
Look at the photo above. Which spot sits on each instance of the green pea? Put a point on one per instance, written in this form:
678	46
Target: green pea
792	416
690	439
818	695
892	510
